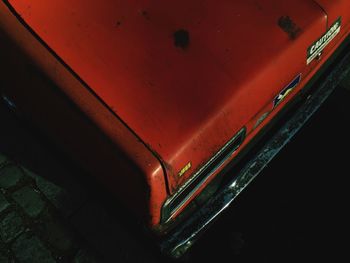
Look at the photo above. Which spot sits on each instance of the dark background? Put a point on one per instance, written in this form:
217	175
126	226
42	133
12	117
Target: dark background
295	210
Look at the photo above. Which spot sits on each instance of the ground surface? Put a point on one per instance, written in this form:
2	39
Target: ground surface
296	209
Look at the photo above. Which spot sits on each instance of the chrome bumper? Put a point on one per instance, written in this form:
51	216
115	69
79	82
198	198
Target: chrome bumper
180	240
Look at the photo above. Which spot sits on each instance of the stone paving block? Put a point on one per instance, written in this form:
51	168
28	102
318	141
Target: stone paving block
29	200
50	190
10	176
10	227
57	196
3	203
66	203
29	249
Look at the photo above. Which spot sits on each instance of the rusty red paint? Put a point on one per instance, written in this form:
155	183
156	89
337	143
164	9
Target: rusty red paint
165	106
288	26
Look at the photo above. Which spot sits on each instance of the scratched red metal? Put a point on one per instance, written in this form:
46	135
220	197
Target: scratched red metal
183	103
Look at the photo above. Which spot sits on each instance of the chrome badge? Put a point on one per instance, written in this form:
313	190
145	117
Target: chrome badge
316	48
286	91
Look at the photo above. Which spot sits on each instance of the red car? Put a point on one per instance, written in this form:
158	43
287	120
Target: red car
174	106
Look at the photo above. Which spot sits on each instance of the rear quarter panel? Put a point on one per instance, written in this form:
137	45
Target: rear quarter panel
56	101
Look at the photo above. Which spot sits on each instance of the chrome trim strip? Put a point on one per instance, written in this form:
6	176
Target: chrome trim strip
166	218
178	242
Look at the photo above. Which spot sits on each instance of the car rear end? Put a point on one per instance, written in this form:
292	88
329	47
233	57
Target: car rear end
178	111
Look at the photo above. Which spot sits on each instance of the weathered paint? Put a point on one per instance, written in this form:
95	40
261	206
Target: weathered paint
179	72
173	81
86	130
180	241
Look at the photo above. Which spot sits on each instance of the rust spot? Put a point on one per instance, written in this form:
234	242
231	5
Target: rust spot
289	26
145	14
182	38
118	23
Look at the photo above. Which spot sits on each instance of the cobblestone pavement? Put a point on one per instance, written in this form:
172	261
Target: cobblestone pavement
51	212
31	226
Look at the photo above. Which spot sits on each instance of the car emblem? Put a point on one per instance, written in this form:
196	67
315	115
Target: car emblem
287	90
185	169
316	48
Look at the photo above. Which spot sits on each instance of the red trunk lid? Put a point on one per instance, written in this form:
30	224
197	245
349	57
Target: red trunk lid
336	9
185	76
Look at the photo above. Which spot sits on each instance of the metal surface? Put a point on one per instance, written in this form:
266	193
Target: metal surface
185	76
168	82
192	185
189	232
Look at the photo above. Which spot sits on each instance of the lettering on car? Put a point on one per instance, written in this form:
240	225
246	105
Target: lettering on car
317	47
